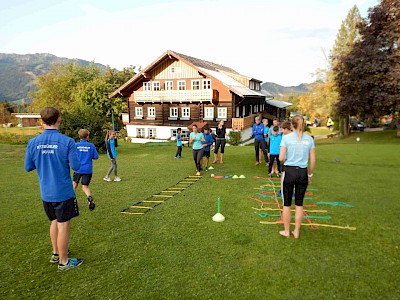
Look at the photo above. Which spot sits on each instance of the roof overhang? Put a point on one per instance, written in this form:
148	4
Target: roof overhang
278	103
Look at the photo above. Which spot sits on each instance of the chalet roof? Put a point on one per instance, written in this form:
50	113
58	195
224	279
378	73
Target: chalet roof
278	103
217	71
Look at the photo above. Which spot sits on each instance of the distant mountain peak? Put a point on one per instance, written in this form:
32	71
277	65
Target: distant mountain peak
278	90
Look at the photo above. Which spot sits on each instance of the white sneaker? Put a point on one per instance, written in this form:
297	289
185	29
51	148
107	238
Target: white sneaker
107	178
117	179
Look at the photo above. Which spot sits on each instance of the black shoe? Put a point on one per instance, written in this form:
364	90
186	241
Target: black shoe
91	203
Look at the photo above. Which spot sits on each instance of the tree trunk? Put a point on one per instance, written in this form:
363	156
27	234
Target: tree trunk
344	126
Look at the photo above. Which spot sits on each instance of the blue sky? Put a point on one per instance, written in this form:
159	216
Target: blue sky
282	41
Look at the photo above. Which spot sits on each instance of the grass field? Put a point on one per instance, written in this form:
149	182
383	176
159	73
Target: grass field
21	130
177	252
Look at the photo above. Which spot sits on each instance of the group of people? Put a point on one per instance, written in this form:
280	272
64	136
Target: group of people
203	143
52	155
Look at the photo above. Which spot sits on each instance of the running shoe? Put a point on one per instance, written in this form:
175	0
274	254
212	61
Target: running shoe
72	263
91	203
117	179
55	258
107	179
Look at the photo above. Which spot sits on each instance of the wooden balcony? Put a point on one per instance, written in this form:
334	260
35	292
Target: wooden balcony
174	96
242	123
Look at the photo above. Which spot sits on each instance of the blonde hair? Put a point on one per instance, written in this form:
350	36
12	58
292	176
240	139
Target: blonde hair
83	133
298	125
108	135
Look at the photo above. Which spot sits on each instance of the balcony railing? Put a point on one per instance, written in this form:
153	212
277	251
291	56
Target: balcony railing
173	96
242	123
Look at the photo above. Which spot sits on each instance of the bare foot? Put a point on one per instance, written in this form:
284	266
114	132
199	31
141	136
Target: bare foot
296	234
284	233
221	162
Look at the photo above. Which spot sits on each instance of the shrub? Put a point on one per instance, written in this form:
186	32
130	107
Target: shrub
14	139
85	118
234	137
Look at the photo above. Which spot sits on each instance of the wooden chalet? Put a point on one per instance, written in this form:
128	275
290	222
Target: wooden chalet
177	90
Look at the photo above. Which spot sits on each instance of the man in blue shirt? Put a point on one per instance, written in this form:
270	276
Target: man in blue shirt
259	142
86	153
52	154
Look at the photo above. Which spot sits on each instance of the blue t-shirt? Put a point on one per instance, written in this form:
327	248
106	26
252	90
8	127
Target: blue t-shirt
178	140
197	140
86	153
258	131
52	154
297	151
275	144
266	131
209	141
111	150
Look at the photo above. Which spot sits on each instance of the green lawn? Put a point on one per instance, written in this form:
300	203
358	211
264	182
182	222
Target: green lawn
177	252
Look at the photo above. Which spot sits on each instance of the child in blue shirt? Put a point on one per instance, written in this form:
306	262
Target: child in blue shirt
86	153
111	144
208	141
274	148
179	140
52	154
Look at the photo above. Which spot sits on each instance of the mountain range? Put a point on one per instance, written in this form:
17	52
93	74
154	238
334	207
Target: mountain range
18	74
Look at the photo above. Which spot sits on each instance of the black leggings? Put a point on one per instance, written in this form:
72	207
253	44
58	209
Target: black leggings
197	155
220	142
294	178
272	158
179	152
260	144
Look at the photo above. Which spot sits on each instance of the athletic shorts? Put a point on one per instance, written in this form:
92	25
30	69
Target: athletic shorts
61	211
85	178
294	180
206	154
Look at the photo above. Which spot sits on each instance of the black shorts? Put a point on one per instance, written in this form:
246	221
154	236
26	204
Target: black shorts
206	154
61	211
294	180
85	178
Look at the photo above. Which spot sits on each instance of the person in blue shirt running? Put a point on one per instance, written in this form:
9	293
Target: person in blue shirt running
274	147
179	140
111	145
52	155
297	151
196	139
259	142
86	153
208	141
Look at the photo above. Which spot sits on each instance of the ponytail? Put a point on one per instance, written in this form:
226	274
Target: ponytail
298	126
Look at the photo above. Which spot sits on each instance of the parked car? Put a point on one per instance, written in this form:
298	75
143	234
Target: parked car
357	125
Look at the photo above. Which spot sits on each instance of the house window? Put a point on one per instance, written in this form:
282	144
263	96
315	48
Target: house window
152	133
195	84
256	108
184	133
181	85
252	85
138	112
206	84
209	113
156	85
258	86
185	113
146	86
222	113
140	132
169	85
173	113
151	113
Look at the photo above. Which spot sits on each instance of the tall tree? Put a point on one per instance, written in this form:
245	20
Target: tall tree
347	36
368	77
